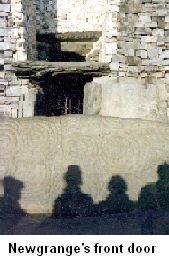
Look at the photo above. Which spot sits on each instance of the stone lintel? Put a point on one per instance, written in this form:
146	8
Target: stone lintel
41	68
70	36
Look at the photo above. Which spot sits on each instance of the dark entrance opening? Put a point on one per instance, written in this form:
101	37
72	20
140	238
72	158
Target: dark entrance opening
62	94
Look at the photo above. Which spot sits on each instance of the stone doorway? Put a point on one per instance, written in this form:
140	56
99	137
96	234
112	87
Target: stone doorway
62	94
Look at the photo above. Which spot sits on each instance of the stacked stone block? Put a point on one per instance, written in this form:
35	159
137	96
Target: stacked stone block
5	53
143	39
20	21
110	32
18	39
135	38
46	13
24	29
58	16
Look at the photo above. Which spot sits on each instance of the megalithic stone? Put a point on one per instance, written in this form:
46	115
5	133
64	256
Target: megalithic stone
38	152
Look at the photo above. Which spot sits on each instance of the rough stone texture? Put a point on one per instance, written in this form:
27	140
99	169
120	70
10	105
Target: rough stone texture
23	28
135	38
65	16
126	98
134	41
59	17
38	152
41	68
18	41
18	31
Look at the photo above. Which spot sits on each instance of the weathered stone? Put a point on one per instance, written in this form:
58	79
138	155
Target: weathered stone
5	8
126	98
40	68
131	36
38	151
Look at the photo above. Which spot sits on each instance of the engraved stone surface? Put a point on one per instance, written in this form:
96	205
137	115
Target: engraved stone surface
38	151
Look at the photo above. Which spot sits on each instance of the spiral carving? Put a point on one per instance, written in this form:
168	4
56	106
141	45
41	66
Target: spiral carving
38	151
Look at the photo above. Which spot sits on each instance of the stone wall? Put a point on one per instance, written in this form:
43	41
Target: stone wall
134	41
143	39
38	151
21	20
18	43
135	38
4	54
135	44
58	16
23	28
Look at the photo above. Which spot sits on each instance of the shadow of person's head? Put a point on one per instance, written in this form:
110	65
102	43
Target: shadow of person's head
73	202
12	188
117	185
10	200
163	172
73	176
163	178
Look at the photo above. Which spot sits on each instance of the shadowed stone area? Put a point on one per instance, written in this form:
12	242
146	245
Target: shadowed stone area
150	222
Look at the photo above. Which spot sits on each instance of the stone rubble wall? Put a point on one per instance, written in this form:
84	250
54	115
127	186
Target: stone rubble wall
134	41
58	16
18	43
21	20
143	41
24	29
108	48
135	38
6	53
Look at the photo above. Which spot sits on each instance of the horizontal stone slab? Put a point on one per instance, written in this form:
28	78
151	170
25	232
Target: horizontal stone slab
70	36
5	8
41	68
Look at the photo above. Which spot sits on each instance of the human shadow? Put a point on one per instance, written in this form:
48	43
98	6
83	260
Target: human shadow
73	202
153	197
9	202
117	201
10	211
162	185
156	195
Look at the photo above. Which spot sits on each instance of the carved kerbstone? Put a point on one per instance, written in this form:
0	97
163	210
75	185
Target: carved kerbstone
38	151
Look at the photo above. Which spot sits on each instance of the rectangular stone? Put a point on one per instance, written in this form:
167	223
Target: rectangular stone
13	91
5	8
